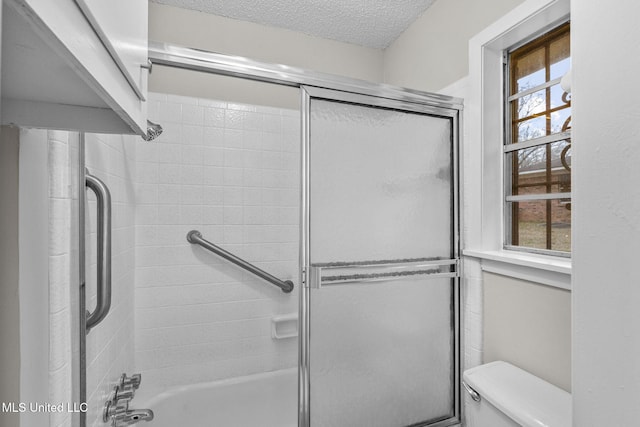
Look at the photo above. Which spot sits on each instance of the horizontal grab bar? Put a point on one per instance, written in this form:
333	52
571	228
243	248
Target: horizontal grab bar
195	237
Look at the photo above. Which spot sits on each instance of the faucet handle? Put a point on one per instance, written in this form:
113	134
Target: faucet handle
132	381
124	393
114	408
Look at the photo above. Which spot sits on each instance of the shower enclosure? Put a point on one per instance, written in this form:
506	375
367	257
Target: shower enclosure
380	297
378	274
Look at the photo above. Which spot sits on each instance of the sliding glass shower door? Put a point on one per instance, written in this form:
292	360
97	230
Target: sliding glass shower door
380	340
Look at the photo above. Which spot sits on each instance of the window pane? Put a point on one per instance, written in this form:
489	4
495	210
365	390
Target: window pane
531	174
529	129
529	70
529	105
556	97
542	224
543	169
559	51
560	119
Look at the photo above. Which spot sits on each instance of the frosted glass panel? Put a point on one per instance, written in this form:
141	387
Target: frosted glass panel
381	353
380	184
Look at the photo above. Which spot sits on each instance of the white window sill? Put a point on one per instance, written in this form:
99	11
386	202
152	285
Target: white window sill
544	269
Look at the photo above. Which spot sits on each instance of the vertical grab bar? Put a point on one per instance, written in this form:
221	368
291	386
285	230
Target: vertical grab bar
103	295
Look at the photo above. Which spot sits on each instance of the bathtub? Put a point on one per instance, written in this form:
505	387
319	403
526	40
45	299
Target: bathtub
267	400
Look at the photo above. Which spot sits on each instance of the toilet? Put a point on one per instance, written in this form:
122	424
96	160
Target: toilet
502	395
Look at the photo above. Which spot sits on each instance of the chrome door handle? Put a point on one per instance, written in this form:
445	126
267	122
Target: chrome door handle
338	273
103	294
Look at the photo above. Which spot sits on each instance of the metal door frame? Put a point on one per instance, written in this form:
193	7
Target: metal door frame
400	104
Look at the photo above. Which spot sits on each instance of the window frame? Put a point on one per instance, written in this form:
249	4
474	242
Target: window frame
543	37
483	149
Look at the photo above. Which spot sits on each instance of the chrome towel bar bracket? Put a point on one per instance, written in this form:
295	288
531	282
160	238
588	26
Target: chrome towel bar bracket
195	237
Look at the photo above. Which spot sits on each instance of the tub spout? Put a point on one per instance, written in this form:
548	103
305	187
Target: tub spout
132	416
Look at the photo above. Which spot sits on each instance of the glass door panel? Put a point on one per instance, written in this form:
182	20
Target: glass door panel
380	298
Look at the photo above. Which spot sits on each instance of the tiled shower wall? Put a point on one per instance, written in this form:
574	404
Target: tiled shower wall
232	172
110	345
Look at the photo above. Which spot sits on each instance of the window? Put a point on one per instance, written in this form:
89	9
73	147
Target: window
537	146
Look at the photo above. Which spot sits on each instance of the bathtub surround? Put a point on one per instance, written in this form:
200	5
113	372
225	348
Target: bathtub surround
265	399
232	172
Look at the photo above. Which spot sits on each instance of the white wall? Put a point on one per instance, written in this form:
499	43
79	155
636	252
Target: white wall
232	172
269	44
34	234
528	325
433	52
9	275
490	329
110	345
606	215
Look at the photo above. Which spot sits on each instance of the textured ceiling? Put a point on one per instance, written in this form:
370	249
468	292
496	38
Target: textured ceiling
372	23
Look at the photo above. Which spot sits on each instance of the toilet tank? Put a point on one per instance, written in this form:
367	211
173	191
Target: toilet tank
511	397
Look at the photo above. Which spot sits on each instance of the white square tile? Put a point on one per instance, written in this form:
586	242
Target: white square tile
213	137
233	215
192	155
170	112
233	196
169	173
233	177
191	194
213	196
213	175
191	174
234	158
252	140
214	117
192	115
192	135
233	138
233	119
